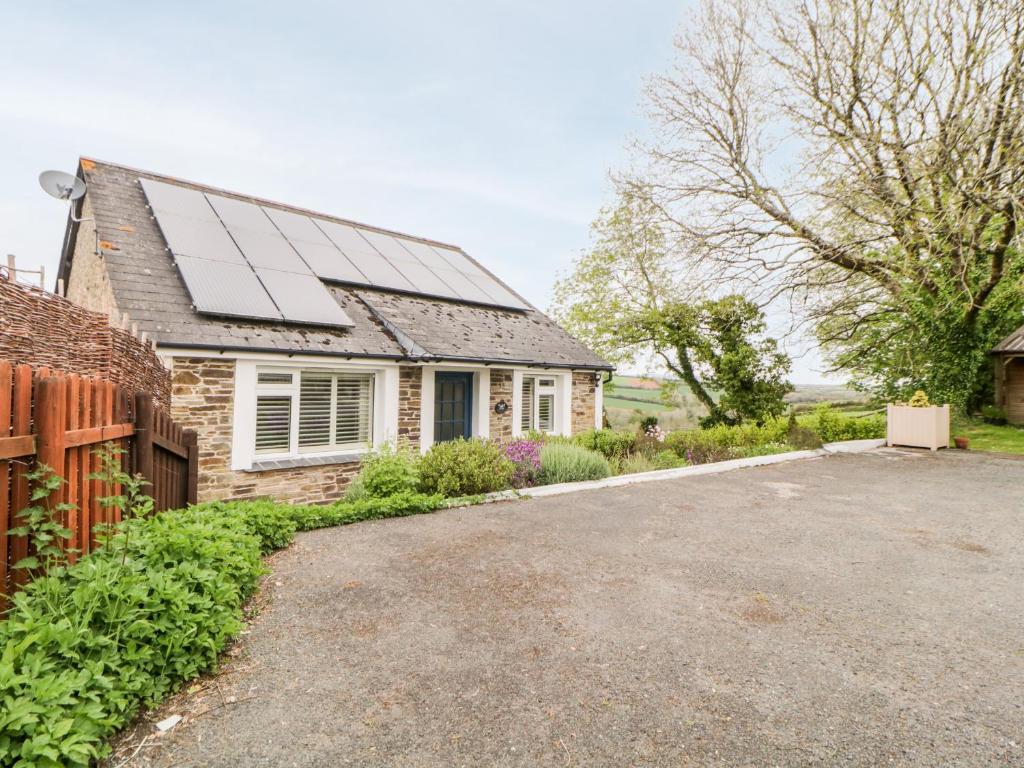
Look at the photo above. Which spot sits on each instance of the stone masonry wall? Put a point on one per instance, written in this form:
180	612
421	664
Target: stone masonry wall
88	284
584	394
410	392
203	399
501	389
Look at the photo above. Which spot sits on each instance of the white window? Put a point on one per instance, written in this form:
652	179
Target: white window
538	404
313	411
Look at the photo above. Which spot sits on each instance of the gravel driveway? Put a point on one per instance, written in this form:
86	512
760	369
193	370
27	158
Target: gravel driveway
853	610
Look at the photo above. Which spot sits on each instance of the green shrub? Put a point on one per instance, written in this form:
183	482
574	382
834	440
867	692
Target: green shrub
464	468
993	414
800	437
833	426
561	463
385	473
85	646
610	443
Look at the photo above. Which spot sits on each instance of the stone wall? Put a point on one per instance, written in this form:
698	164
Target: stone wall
584	395
203	400
88	285
410	394
501	389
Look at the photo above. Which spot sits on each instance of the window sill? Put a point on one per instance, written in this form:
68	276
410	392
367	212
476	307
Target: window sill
267	465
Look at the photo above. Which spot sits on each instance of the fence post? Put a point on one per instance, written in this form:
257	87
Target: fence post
190	439
144	422
49	416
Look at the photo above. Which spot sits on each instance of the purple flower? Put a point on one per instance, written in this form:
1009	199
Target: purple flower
525	455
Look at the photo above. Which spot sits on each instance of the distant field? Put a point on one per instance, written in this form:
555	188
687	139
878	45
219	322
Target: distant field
630	398
628	405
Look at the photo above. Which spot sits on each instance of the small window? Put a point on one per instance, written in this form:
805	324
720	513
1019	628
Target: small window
267	377
538	404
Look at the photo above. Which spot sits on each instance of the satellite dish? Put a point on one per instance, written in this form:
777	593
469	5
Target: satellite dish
61	185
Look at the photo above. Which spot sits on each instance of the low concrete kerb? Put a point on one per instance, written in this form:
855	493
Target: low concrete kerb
849	446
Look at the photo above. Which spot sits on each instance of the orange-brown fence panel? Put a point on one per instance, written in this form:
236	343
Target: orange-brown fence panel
59	419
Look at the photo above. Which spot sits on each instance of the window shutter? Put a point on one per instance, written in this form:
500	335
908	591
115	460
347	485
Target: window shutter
545	412
527	420
273	423
315	395
354	409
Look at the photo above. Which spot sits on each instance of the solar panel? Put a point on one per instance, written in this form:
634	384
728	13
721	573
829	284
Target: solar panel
296	226
465	288
292	246
425	253
378	271
181	201
328	262
498	292
238	214
198	238
269	250
220	288
458	260
303	298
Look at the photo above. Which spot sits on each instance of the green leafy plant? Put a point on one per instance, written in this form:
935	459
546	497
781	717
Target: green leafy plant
40	522
385	473
833	426
561	463
131	502
86	645
610	443
800	437
465	467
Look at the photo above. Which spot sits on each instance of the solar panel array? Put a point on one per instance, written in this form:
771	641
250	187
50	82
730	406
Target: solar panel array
241	259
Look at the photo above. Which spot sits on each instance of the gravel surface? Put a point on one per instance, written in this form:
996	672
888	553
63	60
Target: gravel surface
856	610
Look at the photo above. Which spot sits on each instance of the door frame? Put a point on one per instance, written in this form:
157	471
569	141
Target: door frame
468	381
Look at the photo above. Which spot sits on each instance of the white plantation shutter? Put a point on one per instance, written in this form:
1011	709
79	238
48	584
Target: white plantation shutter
527	396
334	411
273	423
545	413
354	408
316	394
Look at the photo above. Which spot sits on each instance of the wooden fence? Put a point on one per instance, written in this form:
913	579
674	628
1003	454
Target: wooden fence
49	417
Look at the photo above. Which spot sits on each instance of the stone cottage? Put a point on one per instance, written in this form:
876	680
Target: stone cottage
298	341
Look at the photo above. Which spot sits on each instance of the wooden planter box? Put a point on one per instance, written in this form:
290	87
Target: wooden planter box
918	427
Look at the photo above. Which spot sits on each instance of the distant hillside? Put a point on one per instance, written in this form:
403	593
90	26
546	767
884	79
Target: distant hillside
629	398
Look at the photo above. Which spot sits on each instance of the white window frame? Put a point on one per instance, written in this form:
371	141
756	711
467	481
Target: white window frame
384	418
293	390
560	387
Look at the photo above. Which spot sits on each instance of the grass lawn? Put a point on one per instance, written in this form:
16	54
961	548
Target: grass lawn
989	437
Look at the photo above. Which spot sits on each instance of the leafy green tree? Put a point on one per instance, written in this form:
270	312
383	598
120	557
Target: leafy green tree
626	299
863	160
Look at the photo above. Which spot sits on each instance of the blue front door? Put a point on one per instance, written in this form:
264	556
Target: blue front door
453	406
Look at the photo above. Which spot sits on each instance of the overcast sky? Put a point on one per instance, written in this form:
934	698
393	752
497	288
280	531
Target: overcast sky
491	125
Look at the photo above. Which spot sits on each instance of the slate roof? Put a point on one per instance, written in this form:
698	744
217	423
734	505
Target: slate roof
147	285
1012	343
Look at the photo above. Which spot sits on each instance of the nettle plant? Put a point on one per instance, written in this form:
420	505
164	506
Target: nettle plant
41	521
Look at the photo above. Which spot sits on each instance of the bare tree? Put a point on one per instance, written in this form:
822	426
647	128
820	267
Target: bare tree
863	158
